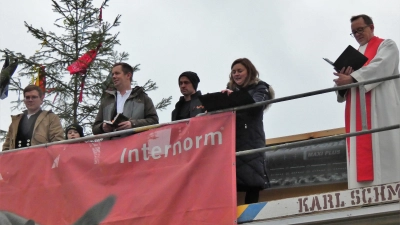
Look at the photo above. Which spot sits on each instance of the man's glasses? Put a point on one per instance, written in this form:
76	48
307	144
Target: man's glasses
359	30
31	97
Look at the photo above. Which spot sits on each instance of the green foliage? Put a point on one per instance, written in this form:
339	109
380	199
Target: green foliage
80	30
3	134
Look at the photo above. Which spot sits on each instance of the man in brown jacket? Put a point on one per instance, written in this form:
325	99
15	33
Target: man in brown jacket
34	126
134	103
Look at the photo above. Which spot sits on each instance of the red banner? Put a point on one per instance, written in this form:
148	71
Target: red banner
177	174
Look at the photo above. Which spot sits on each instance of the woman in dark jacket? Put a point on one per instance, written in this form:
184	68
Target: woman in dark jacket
251	172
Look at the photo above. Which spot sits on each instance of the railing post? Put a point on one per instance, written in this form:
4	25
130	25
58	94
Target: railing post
363	108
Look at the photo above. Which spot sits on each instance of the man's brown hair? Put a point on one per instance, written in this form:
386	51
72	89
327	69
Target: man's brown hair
32	87
126	68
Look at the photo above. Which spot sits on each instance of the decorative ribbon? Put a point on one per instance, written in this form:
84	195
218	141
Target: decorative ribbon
41	79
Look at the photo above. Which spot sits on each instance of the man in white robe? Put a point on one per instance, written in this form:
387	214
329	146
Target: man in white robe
373	159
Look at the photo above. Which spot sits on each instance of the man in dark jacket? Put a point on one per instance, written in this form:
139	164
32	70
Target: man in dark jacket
134	103
189	104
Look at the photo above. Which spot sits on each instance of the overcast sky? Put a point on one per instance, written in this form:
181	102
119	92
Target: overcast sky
286	40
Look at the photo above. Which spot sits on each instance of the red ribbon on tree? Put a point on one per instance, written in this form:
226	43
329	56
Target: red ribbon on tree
81	65
101	10
82	86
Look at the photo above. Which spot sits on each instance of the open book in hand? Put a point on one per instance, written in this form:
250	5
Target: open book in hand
117	120
217	100
350	57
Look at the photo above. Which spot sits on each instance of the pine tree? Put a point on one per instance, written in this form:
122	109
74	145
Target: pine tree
80	29
3	134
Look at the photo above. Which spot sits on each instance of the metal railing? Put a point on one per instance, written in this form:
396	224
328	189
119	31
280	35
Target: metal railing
363	111
271	148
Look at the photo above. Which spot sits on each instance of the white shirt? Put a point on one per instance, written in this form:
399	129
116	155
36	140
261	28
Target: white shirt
121	100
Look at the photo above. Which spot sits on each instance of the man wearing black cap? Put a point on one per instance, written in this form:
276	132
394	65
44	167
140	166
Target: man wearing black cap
189	104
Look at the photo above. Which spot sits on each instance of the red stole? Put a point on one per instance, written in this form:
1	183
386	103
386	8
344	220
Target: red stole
364	160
